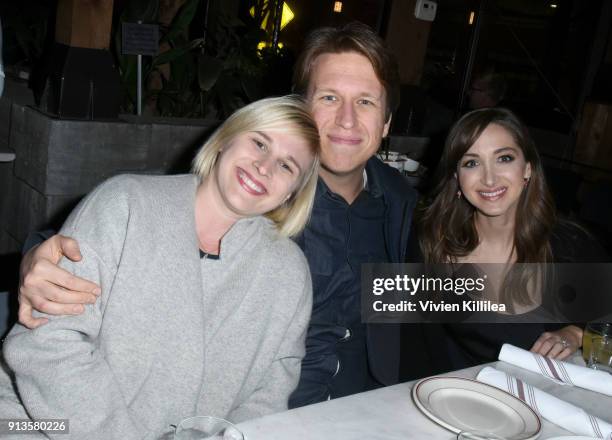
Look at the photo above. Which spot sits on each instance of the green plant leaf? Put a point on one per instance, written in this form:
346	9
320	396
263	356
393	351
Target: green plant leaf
251	88
230	73
176	52
183	73
182	20
228	92
209	69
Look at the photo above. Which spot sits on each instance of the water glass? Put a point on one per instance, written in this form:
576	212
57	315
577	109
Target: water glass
207	427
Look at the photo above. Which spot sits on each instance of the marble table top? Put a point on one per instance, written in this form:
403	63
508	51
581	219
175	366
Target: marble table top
389	413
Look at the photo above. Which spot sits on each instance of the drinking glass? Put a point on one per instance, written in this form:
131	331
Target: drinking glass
478	435
600	357
594	330
207	427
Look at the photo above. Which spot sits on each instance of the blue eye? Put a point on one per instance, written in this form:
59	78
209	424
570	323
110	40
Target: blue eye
469	163
329	98
365	102
506	158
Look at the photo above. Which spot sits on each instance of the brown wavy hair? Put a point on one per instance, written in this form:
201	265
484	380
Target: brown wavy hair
446	224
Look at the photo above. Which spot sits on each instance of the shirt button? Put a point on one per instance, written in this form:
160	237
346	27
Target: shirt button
347	335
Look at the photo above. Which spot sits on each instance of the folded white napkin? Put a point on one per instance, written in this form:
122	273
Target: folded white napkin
564	373
553	409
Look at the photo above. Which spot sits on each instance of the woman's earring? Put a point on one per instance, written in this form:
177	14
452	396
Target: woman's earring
458	194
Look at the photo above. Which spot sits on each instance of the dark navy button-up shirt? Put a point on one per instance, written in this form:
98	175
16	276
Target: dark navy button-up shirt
344	356
337	241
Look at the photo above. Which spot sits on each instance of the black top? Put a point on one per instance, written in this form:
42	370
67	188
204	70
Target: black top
207	256
447	347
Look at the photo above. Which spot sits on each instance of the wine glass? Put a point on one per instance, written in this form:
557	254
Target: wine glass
478	435
207	427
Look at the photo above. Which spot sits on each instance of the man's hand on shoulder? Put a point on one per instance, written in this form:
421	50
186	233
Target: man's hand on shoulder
47	288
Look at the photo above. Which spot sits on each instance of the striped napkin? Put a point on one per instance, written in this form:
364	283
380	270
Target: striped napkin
563	373
553	409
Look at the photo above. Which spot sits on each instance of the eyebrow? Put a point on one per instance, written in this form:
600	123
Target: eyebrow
289	158
499	150
264	135
364	94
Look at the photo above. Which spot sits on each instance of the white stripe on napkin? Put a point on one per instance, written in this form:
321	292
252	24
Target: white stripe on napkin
553	409
563	373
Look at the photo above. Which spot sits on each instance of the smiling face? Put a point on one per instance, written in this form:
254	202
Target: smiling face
258	171
348	104
493	172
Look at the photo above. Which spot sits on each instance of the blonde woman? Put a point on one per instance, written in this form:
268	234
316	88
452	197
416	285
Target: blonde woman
205	299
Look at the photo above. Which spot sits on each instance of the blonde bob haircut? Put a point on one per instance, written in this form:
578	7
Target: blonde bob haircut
288	114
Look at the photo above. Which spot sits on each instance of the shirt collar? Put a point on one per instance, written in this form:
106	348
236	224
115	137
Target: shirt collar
370	185
371	182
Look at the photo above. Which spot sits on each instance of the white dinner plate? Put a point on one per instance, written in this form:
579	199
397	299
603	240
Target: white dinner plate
573	437
460	404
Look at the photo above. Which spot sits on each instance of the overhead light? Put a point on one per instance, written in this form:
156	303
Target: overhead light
338	7
471	19
553	5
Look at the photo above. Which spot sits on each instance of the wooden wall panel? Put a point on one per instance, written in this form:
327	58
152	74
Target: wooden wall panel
407	37
84	23
594	143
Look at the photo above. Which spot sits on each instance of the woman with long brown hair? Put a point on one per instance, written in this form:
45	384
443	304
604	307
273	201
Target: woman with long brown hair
491	204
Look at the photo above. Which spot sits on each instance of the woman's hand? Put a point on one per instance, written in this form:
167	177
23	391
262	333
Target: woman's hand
47	288
559	344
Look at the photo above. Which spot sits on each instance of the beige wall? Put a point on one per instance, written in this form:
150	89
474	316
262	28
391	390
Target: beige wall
84	23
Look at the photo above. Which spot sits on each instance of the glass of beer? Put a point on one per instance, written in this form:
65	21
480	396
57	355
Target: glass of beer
601	354
593	331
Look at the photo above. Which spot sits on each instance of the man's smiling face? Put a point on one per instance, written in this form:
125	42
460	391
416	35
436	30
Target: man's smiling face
348	103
